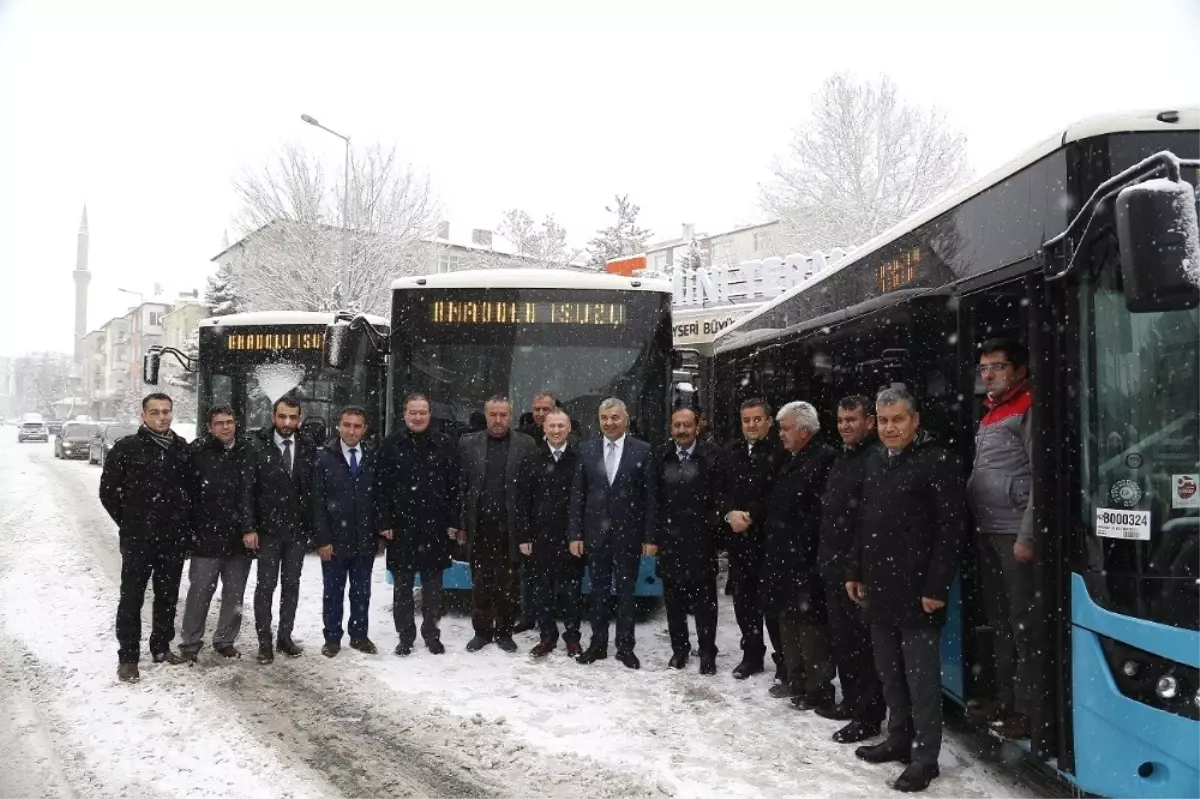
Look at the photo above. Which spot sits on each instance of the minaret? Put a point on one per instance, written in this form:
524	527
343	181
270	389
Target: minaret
82	277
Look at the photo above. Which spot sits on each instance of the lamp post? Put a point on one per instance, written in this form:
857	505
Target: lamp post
141	297
345	204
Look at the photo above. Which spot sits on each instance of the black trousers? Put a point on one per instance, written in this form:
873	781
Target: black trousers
910	668
546	582
613	569
141	563
404	605
748	609
850	637
495	590
697	595
806	653
280	559
1009	596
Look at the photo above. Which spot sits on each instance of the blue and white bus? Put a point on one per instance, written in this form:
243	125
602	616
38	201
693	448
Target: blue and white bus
1109	311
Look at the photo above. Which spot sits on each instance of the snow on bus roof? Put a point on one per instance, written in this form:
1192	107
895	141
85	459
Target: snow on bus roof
279	318
1128	122
531	279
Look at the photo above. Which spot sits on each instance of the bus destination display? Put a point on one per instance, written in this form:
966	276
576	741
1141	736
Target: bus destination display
899	271
273	342
506	312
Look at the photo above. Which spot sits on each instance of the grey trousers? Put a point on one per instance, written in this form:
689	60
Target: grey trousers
277	555
909	663
404	605
1008	589
202	584
807	655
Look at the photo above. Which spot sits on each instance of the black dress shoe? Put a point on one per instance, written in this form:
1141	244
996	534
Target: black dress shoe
678	660
506	643
128	672
782	690
477	643
854	732
288	647
435	646
168	657
889	751
708	664
402	649
266	655
331	649
522	626
917	777
839	712
592	654
629	660
781	672
747	668
821	699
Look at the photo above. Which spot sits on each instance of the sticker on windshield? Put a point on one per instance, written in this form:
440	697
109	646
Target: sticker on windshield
1130	525
1183	491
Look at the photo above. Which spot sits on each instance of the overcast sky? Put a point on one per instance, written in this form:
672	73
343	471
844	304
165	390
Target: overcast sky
146	111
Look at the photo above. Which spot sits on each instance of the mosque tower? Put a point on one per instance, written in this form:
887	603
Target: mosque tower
82	277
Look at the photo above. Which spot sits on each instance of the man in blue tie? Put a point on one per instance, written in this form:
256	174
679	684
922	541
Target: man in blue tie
612	522
345	530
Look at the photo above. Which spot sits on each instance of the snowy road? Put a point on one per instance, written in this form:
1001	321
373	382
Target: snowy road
487	724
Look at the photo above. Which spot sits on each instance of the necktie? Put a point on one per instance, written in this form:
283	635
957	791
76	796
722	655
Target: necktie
610	462
287	454
683	455
557	455
354	461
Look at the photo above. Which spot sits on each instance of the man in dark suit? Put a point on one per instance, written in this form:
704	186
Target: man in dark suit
691	503
543	509
417	495
345	529
144	490
613	516
276	509
752	466
491	466
531	425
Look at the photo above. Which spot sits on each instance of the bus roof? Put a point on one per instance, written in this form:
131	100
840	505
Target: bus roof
531	279
267	318
1128	122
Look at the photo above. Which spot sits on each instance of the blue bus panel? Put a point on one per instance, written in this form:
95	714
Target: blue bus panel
458	578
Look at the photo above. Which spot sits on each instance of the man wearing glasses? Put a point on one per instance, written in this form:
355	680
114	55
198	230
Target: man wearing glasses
1000	492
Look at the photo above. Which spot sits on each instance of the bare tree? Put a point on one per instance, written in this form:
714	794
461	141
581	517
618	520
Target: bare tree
293	258
864	160
546	243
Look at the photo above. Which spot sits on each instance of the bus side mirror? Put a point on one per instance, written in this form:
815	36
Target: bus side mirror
150	364
1160	246
339	346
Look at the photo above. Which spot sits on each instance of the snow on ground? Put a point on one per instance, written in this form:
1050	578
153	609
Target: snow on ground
482	724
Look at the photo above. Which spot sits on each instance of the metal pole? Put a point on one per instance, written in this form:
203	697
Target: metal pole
346	224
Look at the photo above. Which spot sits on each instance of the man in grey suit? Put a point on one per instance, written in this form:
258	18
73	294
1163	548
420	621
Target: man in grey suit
612	520
491	462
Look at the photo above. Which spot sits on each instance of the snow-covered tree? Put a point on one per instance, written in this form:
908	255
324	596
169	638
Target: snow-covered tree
220	293
300	258
693	258
864	160
182	382
622	238
546	242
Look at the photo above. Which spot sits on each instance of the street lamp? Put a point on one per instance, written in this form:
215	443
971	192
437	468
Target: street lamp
138	294
345	203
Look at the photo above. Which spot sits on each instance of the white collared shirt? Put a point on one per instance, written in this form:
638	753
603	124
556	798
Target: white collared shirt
690	451
346	452
557	452
280	439
620	449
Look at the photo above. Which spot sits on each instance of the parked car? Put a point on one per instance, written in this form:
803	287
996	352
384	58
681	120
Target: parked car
54	427
104	439
32	431
74	440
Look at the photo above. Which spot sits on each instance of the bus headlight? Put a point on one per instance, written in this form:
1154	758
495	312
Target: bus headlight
1167	688
1130	668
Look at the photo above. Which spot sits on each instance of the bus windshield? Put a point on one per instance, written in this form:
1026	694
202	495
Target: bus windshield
250	368
1142	452
622	350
